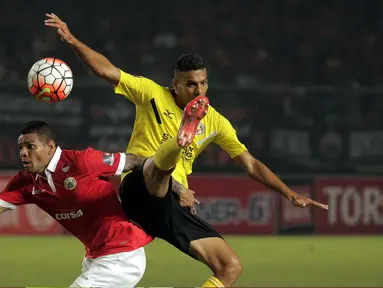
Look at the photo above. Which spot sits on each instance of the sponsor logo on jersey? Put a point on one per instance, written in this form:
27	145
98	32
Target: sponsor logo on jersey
69	215
188	153
65	168
165	137
168	114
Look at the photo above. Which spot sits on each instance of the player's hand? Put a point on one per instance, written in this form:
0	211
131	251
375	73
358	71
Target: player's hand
302	202
187	199
62	29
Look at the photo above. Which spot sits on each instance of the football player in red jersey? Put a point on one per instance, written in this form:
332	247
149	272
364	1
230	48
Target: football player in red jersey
72	187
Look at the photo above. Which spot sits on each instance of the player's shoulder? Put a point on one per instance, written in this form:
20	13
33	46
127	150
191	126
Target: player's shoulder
68	154
165	94
217	121
128	77
75	157
71	154
214	115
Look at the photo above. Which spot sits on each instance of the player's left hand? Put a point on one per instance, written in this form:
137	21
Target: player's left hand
62	29
302	202
187	199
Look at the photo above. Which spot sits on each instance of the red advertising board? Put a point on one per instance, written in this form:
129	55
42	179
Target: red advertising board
235	205
293	216
26	219
354	205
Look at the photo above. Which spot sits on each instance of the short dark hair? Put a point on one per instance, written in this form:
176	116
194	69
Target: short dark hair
190	62
41	128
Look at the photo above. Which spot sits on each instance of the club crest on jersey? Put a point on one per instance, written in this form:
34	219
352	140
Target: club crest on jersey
200	129
70	183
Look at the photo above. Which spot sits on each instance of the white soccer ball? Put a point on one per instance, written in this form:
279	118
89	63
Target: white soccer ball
50	80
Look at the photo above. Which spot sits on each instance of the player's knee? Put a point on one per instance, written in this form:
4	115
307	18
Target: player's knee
228	270
233	267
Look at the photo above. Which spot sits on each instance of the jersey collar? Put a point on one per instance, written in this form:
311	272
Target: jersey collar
55	159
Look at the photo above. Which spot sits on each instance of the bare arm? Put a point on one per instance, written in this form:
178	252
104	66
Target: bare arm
260	173
177	187
97	62
132	161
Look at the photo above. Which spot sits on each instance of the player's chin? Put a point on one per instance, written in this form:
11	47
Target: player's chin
28	168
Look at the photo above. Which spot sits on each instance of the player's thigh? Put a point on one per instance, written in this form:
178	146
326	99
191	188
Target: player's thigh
149	212
214	252
179	227
85	265
117	270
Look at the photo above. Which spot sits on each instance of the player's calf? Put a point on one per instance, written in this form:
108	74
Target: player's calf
156	180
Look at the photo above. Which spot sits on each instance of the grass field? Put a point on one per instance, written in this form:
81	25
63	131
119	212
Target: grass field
267	261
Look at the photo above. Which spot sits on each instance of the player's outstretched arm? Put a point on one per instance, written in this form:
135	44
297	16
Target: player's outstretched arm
132	161
260	173
97	62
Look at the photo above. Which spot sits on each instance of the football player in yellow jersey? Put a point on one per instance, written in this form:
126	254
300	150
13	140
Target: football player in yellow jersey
169	150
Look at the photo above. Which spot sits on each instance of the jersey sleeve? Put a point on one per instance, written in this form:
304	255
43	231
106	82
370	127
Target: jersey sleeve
137	89
100	163
12	195
227	138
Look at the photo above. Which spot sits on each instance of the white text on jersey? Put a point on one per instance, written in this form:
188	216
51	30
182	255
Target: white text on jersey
69	215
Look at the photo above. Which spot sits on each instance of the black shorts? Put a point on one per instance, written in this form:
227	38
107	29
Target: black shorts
161	217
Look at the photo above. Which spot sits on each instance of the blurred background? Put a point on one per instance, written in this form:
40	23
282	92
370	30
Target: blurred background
300	80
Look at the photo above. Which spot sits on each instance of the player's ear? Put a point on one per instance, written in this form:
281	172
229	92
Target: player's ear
51	146
175	86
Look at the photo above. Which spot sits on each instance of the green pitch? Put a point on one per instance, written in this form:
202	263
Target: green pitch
267	261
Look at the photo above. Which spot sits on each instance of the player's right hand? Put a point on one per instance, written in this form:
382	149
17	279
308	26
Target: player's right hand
62	29
187	199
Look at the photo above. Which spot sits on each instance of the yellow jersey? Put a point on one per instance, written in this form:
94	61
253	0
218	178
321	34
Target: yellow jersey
158	118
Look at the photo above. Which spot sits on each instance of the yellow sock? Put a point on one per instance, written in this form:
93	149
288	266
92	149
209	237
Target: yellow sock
167	155
212	282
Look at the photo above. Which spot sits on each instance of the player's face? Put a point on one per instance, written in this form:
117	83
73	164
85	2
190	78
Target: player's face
189	85
35	152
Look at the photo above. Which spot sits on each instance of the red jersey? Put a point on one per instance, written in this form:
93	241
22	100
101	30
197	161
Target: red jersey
77	193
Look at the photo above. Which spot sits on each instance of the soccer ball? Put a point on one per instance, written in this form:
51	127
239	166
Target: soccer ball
50	80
